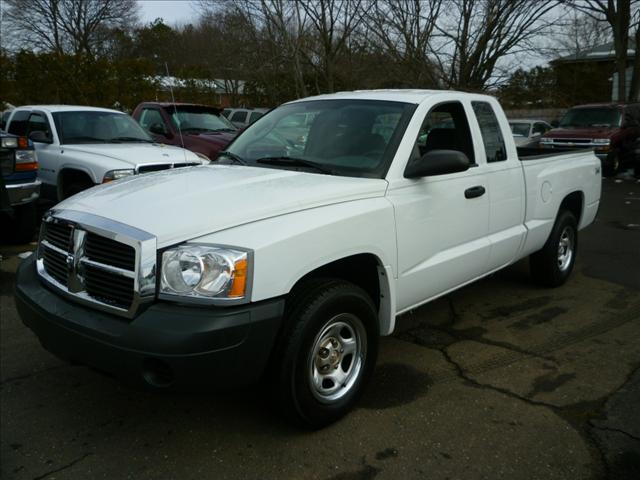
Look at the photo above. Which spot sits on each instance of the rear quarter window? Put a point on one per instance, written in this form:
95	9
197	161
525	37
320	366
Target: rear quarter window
492	139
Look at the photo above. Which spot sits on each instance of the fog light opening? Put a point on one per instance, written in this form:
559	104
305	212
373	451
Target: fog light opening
157	373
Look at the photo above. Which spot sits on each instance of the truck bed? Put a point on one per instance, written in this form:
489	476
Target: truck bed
537	153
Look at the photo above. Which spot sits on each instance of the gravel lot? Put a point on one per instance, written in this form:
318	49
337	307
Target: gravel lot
501	379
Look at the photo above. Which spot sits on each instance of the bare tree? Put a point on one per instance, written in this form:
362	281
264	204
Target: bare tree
68	26
476	34
332	22
617	13
578	33
405	29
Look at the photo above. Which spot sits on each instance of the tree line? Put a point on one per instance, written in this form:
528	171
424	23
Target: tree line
269	51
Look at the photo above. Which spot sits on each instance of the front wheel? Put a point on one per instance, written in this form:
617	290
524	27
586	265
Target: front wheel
328	352
611	166
552	265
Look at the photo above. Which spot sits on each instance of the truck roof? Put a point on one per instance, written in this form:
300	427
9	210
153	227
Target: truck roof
181	104
395	95
66	108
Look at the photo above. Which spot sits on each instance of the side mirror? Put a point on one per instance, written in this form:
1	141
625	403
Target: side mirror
158	129
437	162
40	137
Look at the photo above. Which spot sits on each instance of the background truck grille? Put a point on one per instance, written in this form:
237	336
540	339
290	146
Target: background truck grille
6	161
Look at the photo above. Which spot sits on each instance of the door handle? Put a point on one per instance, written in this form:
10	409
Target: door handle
474	192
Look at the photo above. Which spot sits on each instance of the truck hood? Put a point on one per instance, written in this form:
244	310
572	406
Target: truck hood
595	132
221	139
136	154
182	204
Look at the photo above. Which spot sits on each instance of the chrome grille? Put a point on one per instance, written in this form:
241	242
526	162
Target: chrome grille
107	251
98	261
108	287
55	263
59	235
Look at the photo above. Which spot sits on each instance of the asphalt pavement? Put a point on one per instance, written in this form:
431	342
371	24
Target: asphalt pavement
501	379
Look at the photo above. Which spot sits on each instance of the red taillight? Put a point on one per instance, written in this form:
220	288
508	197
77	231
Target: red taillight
23	142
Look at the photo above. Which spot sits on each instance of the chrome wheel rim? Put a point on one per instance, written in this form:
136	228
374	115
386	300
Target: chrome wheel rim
337	357
565	249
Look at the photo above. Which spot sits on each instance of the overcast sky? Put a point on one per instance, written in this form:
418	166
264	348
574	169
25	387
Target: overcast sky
171	11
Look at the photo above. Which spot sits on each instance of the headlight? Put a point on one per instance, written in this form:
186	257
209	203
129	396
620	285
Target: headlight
112	175
205	272
601	141
9	142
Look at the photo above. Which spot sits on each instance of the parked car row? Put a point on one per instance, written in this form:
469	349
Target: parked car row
611	130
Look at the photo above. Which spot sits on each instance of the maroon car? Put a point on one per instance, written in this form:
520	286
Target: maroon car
610	129
199	128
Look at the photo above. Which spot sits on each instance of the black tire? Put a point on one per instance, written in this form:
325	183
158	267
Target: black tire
547	266
76	187
25	223
611	166
313	308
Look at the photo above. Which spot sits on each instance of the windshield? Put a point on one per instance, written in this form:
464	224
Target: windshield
98	127
200	119
520	129
343	137
591	117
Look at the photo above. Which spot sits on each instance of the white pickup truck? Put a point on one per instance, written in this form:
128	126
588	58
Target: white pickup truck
79	147
289	260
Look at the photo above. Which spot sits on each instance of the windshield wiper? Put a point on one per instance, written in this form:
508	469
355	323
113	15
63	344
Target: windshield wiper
295	162
129	139
232	156
87	138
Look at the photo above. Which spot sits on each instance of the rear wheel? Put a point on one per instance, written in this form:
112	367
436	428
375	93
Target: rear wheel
328	352
552	265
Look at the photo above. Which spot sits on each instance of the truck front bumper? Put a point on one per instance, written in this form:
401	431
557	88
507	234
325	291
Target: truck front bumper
168	346
21	193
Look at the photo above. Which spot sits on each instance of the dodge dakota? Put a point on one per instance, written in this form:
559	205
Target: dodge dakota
288	262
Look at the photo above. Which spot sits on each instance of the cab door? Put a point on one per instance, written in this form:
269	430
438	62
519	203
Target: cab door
441	221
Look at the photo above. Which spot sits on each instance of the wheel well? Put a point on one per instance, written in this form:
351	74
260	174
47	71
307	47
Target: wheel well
573	203
361	270
69	176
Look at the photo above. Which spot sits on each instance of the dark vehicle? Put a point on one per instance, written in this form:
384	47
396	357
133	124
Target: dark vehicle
199	128
610	129
20	188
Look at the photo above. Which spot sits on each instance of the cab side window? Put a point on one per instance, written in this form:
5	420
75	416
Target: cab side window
150	116
539	128
38	123
239	117
494	146
445	128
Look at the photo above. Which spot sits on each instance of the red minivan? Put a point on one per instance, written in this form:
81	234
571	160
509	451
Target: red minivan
199	128
610	129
